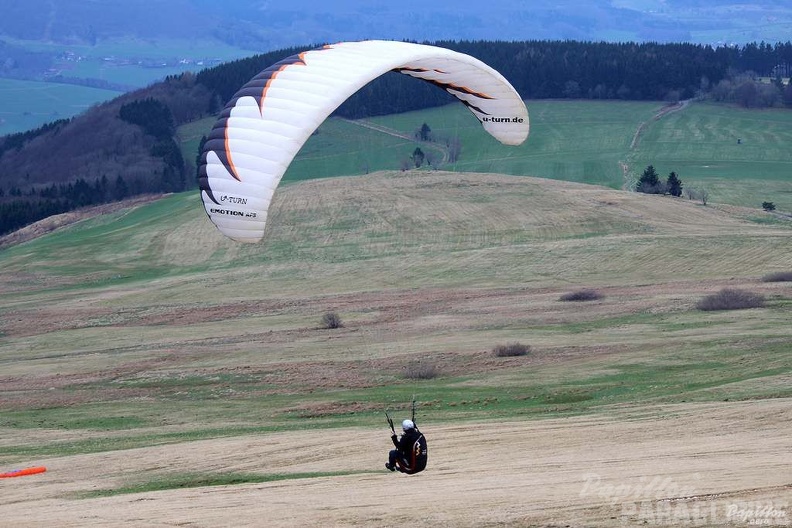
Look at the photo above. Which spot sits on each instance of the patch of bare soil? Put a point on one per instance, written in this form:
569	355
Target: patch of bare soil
681	465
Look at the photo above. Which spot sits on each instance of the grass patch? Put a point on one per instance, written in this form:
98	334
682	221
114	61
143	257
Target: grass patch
569	396
69	418
768	220
731	299
200	480
104	444
109	423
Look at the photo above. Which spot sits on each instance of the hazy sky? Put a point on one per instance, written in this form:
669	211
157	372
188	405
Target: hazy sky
263	25
707	21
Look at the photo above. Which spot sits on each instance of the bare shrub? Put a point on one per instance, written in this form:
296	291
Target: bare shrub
511	350
582	295
697	193
731	299
331	320
780	276
421	370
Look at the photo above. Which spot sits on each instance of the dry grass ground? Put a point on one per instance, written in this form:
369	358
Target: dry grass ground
141	345
677	465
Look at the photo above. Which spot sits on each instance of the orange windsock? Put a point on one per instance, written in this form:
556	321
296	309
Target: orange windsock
23	472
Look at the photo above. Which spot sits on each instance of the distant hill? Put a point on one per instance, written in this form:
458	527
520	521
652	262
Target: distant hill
266	26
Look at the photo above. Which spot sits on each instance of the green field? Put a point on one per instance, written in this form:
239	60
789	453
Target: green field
29	104
581	141
136	61
132	62
742	155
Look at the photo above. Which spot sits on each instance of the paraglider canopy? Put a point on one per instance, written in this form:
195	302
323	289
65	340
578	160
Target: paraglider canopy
269	119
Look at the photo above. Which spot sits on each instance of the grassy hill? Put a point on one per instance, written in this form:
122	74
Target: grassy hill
142	352
598	142
149	321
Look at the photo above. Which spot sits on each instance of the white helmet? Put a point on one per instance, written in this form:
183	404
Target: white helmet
407	425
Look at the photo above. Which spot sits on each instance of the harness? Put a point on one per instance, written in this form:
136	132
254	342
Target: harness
417	457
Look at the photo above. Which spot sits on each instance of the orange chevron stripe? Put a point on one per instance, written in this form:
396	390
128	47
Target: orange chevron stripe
301	62
231	165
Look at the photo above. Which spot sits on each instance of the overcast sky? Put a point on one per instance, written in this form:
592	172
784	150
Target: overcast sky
263	25
701	21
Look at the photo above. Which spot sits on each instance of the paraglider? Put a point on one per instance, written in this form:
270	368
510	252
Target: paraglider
411	451
269	119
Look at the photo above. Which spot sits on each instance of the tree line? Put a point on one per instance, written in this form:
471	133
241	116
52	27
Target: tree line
556	69
60	198
18	139
131	139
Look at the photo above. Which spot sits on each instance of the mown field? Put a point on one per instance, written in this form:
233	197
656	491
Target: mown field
165	374
602	143
132	325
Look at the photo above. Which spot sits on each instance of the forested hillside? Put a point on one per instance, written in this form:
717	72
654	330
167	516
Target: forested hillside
126	147
560	69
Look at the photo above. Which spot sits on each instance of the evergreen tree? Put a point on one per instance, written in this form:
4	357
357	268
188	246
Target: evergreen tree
121	190
424	134
649	182
151	115
418	157
788	94
674	184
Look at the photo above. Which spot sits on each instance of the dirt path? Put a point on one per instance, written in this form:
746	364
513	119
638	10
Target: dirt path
395	133
664	111
688	464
